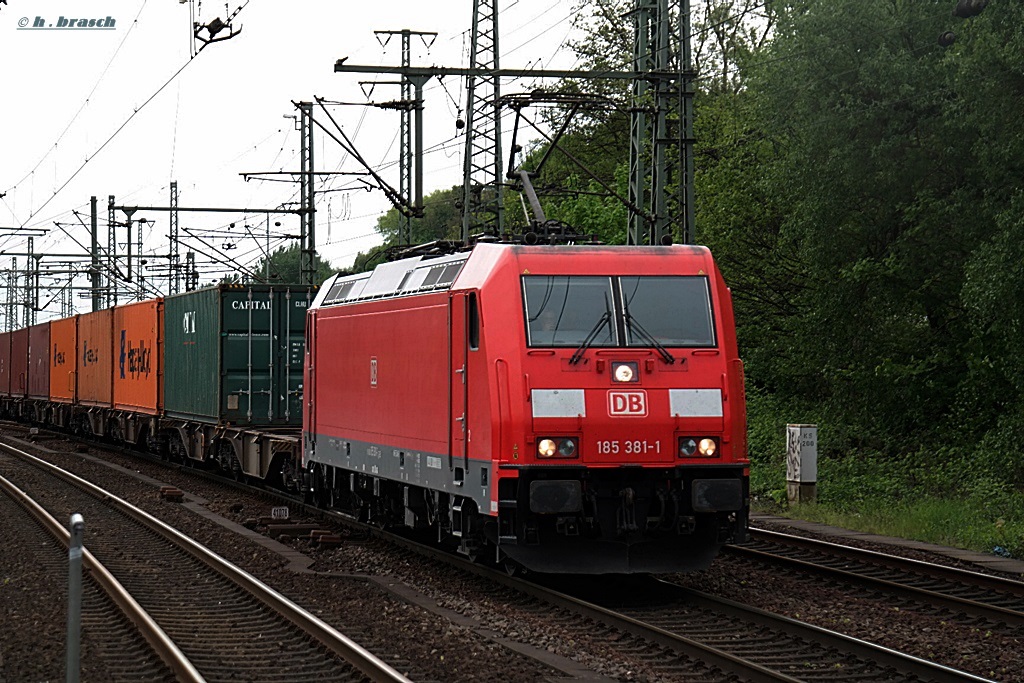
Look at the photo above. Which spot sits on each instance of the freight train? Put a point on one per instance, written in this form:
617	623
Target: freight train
209	376
561	409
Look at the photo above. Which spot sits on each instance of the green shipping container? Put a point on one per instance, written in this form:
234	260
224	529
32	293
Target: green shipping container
233	354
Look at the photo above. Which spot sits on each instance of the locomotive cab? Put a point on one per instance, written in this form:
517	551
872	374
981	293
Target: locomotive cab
631	454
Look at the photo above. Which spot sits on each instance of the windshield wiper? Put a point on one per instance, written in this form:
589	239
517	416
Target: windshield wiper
604	319
632	324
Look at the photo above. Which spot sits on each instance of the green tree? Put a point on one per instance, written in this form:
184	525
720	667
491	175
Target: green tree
285	267
441	219
891	178
594	154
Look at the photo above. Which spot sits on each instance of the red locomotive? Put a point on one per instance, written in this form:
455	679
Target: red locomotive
564	409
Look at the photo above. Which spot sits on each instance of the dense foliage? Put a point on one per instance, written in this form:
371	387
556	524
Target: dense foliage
890	171
860	185
864	199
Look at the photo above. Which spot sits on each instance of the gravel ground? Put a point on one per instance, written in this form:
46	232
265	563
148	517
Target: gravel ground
33	604
442	650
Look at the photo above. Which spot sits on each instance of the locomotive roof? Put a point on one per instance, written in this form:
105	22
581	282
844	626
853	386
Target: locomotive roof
422	274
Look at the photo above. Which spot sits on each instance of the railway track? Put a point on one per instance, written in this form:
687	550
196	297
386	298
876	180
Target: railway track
665	624
684	635
988	601
113	635
204	618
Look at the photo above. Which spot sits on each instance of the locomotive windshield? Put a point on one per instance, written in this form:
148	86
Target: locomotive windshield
637	311
675	311
563	310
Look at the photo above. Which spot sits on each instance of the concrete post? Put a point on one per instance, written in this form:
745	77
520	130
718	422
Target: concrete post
801	463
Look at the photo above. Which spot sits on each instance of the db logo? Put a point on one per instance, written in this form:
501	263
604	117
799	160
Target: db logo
631	403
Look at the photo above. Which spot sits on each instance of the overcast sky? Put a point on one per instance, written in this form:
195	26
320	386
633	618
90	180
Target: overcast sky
99	111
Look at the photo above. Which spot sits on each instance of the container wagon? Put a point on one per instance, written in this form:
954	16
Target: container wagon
233	377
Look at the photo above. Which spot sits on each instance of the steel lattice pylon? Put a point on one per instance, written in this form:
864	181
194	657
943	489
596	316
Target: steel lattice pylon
483	196
175	278
664	91
112	282
307	255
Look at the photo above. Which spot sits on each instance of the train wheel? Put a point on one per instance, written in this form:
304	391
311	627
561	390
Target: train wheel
512	567
176	451
321	497
236	472
332	492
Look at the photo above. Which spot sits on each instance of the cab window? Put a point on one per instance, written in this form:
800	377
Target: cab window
563	310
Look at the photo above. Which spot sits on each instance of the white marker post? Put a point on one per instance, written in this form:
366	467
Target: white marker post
801	463
75	597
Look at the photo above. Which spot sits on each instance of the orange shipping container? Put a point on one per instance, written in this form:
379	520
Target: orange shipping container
95	354
138	357
64	360
5	363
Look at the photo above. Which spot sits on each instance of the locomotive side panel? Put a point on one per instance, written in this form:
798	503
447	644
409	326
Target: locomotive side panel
138	351
378	379
39	361
737	384
64	360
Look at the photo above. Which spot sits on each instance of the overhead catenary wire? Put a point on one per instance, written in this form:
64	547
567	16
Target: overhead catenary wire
326	184
85	102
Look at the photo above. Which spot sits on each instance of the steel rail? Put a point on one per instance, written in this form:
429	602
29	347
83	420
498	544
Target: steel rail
994	613
162	645
923	669
712	655
1000	583
368	664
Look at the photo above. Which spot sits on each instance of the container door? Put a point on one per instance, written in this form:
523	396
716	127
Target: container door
247	344
294	304
458	387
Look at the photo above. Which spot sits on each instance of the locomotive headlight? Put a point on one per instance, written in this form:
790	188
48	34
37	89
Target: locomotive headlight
696	446
625	372
557	447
